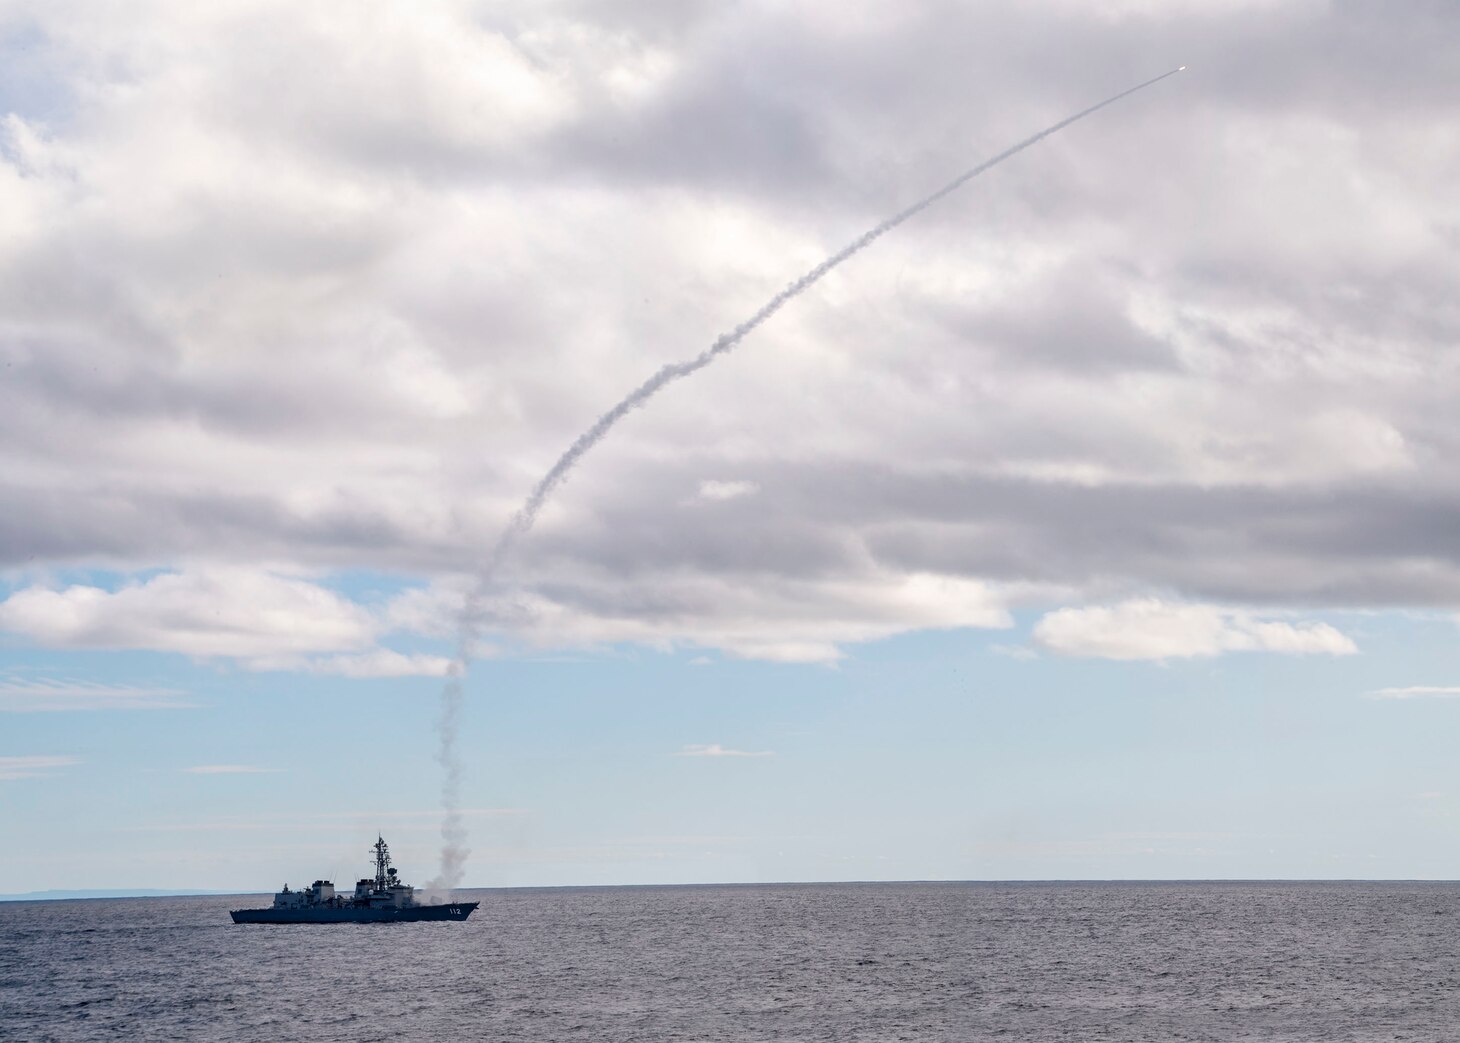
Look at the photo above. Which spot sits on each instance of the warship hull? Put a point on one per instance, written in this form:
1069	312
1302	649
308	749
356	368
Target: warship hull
386	898
411	914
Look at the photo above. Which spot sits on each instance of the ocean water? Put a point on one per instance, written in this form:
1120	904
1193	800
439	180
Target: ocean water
1315	962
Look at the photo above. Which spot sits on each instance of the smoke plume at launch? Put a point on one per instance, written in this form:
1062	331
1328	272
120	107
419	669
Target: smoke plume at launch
452	831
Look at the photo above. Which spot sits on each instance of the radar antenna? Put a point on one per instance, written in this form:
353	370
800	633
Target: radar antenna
382	862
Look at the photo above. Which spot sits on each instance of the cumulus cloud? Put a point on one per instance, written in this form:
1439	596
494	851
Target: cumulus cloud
716	750
780	618
1152	629
329	290
32	767
208	612
265	620
31	695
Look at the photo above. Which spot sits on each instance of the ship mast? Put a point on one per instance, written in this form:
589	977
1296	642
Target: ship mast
382	862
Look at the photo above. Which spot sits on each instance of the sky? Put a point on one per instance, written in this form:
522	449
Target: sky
1099	522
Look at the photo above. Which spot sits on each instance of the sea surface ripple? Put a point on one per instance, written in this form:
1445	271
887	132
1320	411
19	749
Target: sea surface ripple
1274	962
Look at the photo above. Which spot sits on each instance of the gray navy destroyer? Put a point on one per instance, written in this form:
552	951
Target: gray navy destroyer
385	899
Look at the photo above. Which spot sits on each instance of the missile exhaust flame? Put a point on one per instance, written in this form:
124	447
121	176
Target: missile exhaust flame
453	833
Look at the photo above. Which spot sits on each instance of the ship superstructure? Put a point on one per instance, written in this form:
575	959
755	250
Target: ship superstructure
384	899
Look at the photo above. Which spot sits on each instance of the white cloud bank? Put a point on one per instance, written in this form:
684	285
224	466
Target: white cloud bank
1153	629
234	612
778	618
261	619
330	288
269	622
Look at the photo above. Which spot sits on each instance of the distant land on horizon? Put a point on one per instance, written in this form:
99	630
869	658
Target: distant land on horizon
124	892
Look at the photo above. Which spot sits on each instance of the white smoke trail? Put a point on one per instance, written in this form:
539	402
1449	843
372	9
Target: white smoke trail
453	830
526	515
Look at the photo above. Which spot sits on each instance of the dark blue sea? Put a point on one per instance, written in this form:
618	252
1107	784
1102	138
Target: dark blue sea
847	962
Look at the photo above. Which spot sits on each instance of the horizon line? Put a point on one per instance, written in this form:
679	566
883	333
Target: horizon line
83	894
